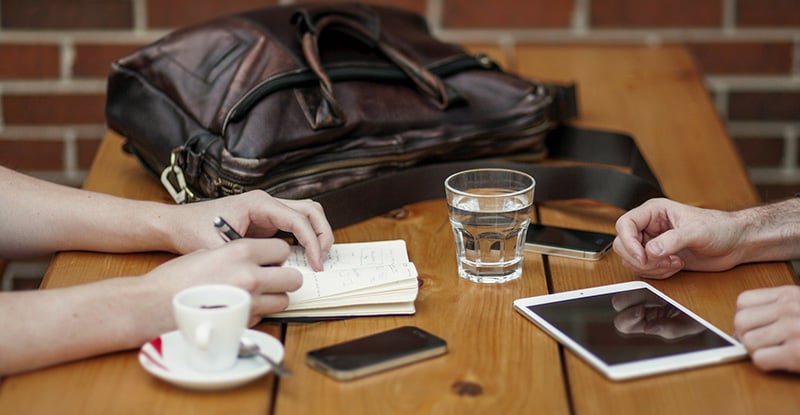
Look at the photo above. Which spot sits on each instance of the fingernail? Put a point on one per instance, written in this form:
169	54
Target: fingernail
657	248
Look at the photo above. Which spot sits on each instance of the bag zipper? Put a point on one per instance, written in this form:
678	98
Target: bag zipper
228	185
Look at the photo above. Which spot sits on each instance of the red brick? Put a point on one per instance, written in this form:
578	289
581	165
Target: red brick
29	61
95	60
32	154
766	106
506	13
656	13
61	14
760	152
768	13
180	13
417	6
54	109
87	149
743	58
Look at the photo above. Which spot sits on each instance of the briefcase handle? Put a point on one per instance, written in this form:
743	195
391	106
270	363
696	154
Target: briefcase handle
312	24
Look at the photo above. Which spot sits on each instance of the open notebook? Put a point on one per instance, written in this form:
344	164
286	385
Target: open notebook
360	279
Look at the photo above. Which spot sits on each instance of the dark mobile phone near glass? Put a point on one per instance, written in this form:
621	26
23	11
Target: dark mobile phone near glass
375	353
566	242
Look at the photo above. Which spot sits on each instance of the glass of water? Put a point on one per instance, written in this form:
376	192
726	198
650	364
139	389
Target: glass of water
490	212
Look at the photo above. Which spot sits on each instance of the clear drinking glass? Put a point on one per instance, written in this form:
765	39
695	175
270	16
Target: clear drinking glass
490	212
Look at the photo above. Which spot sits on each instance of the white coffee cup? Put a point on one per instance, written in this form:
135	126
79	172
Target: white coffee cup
212	319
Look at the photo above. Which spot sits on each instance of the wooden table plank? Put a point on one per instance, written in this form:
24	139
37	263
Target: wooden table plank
489	345
655	94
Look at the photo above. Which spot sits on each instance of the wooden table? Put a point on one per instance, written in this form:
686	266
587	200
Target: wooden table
498	362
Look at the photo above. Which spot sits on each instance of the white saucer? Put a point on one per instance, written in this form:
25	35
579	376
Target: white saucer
164	358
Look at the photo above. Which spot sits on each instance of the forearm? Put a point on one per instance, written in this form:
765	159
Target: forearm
38	217
45	327
771	232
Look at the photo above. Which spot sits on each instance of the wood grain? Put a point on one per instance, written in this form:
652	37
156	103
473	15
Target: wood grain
497	362
490	345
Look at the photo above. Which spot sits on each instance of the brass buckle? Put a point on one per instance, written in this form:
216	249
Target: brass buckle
174	180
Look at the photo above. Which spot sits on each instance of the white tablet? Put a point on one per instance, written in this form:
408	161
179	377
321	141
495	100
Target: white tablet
630	329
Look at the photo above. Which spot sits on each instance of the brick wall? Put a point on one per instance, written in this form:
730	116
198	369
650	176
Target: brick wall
54	56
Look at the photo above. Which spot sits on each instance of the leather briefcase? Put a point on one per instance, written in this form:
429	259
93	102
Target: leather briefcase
330	101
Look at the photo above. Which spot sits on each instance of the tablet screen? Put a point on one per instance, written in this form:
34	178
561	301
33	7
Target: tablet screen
627	326
630	329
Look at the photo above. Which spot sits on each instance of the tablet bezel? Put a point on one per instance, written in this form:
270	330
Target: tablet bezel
638	368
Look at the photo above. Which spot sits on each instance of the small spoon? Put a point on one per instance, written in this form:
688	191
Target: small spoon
249	348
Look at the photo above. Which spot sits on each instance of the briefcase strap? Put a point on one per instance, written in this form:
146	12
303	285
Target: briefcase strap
610	185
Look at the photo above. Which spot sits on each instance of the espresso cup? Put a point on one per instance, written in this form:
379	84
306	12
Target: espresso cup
212	320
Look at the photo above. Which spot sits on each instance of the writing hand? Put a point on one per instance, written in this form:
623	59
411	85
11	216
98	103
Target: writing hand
255	214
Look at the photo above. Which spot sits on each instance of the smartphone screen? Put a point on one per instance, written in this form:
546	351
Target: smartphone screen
571	243
376	352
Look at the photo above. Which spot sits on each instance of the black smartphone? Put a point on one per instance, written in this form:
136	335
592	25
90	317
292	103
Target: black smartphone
566	242
375	353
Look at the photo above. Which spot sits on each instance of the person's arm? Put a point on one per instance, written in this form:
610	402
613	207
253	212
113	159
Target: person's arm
661	237
45	327
770	232
40	217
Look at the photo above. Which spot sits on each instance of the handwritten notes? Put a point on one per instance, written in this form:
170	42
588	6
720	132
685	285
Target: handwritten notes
367	278
353	255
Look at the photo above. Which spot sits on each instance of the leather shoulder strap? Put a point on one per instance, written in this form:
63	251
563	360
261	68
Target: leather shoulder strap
610	185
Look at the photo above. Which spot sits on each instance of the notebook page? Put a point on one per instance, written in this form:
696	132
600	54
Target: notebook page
352	255
328	283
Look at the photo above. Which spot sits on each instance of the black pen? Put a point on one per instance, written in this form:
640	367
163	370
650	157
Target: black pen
226	231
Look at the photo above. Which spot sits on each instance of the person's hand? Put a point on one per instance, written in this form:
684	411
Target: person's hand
255	214
644	313
661	237
250	264
767	323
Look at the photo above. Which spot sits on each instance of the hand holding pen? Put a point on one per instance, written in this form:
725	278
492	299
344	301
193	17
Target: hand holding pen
226	231
259	215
